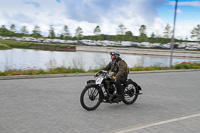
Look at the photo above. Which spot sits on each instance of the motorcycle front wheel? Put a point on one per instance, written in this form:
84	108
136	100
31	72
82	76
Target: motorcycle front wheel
130	94
90	98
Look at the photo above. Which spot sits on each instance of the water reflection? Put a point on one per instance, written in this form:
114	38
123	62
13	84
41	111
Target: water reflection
23	58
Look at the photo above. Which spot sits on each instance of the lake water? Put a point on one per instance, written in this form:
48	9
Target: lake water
28	58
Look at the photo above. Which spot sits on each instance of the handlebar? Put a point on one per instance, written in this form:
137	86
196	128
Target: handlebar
102	72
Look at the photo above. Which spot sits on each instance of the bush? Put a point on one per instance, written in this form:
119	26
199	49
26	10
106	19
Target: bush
187	65
2	74
40	71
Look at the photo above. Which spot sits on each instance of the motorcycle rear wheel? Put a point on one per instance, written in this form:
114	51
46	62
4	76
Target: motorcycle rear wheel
90	98
130	94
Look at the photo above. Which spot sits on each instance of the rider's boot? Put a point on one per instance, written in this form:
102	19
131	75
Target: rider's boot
111	98
118	99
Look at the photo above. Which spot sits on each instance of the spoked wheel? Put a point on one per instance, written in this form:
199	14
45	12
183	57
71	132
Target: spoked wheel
90	98
130	94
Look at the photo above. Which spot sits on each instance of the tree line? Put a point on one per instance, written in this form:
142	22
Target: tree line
121	35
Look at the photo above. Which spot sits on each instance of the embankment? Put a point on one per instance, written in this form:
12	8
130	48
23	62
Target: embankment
41	46
138	51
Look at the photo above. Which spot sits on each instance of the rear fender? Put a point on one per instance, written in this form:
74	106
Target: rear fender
138	88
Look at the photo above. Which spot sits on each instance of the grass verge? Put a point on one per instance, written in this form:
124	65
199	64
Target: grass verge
62	70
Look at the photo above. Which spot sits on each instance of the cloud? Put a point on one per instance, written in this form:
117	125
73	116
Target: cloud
90	10
95	10
22	18
134	14
179	11
35	4
110	13
191	3
183	29
87	14
17	18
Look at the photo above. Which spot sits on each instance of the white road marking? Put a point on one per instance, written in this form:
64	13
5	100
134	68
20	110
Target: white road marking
157	123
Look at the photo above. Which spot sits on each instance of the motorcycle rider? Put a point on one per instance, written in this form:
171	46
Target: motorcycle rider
120	73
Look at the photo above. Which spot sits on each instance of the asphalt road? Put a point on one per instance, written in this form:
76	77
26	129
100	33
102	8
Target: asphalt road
170	104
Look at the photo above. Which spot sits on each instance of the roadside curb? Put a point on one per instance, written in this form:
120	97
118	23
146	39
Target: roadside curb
85	74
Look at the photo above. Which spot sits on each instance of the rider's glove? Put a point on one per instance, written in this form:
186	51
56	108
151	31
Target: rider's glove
113	77
95	75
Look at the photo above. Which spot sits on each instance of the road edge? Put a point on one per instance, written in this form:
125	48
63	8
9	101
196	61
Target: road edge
85	74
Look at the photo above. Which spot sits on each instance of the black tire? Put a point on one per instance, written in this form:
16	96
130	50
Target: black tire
130	94
91	95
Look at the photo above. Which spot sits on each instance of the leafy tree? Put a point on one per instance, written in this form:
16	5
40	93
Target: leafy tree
118	38
196	33
153	35
143	37
101	37
121	29
62	36
167	31
13	28
51	32
129	36
66	33
97	30
36	32
152	38
3	30
129	33
79	32
142	29
24	30
3	27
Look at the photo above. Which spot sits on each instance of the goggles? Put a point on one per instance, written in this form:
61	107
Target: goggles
112	53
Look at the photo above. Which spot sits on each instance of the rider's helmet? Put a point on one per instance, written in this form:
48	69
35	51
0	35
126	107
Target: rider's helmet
115	53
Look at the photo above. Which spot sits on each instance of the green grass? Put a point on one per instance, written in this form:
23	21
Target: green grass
51	47
57	70
4	46
30	45
61	70
16	44
151	68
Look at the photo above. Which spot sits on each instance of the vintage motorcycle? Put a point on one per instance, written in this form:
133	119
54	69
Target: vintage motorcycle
103	90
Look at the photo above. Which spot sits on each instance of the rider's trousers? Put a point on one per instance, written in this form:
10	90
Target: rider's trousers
118	85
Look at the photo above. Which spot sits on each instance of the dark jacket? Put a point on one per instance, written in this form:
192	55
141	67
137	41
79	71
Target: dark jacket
118	68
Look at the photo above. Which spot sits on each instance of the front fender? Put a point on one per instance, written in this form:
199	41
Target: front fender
90	81
93	85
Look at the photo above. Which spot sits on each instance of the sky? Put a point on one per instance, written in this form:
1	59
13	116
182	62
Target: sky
108	14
